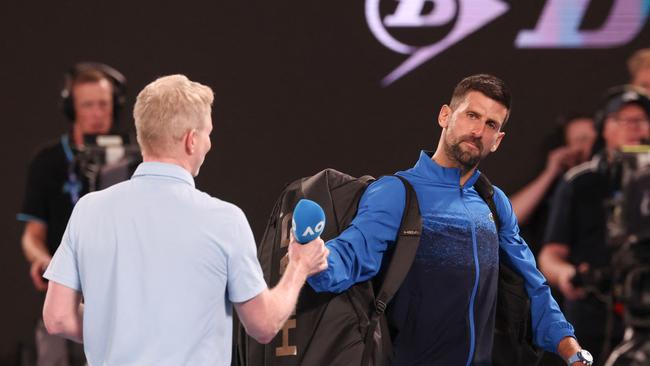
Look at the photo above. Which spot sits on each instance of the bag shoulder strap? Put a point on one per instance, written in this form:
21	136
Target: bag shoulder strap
406	245
486	191
408	240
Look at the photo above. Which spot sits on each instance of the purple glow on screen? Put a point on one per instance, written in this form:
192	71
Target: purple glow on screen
558	26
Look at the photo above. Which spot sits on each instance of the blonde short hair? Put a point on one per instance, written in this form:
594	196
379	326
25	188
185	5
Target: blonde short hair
167	108
639	60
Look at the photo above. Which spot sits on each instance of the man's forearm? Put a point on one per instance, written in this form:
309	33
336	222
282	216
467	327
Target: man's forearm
76	330
525	201
70	327
265	314
284	295
63	312
33	242
568	347
553	262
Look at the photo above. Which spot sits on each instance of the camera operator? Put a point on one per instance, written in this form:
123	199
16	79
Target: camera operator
629	227
576	235
92	96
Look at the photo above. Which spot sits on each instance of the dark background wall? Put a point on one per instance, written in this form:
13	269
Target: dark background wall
297	89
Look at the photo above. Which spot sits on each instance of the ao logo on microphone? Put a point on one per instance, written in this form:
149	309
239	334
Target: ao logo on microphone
308	232
558	26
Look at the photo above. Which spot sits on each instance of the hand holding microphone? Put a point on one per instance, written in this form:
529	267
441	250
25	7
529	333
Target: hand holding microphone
307	249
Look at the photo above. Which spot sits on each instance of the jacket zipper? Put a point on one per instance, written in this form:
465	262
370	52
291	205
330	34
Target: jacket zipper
472	333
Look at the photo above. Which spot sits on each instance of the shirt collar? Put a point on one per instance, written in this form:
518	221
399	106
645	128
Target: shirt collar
154	168
428	168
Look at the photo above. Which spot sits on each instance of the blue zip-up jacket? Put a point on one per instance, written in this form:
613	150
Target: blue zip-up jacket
444	311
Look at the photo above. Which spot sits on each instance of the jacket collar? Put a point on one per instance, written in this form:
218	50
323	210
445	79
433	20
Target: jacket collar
430	170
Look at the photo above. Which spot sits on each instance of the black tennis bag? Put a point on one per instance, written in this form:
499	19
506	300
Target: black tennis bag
350	328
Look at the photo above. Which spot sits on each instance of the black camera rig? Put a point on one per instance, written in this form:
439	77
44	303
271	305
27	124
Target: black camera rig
104	160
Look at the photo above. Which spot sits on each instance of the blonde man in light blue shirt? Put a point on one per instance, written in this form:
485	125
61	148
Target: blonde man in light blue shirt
160	264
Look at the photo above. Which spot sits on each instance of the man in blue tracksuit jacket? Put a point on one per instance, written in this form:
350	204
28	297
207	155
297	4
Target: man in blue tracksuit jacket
443	314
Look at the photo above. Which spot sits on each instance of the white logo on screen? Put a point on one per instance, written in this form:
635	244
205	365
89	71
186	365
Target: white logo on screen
558	25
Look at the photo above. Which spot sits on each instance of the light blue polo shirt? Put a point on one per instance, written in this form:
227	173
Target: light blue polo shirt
159	264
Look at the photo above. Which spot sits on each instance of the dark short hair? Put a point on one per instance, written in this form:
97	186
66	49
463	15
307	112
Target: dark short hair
86	75
489	85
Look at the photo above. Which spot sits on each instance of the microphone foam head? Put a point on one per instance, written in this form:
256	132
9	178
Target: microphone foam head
308	221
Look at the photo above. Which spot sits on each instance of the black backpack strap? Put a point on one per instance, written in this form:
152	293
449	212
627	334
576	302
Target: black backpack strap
406	246
486	191
513	344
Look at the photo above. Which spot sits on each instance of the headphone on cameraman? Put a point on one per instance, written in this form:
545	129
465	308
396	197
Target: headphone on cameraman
116	78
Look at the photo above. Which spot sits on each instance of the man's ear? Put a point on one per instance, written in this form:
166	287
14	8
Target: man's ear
444	115
189	141
497	142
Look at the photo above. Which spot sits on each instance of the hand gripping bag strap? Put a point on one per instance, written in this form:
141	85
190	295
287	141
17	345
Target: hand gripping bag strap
406	246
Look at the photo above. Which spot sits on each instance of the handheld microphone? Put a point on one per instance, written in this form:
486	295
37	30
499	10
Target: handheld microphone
308	221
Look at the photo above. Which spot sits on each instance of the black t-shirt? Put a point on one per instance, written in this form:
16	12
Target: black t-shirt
48	197
578	218
533	230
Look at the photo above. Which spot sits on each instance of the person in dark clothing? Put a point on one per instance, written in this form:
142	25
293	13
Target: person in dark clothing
574	138
576	235
443	314
568	146
92	96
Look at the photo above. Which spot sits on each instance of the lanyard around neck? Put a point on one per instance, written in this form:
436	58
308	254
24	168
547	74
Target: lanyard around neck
73	184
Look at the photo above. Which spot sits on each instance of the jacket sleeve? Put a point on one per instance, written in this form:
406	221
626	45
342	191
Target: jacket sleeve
549	324
356	254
